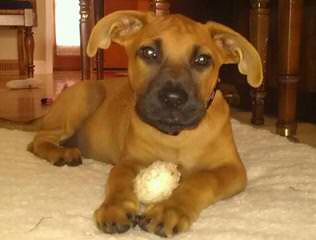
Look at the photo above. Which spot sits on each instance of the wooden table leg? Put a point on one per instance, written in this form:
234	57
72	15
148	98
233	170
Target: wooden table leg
160	7
84	36
29	50
23	70
290	13
259	37
98	14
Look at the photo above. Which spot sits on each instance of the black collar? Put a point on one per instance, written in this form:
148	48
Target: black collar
213	93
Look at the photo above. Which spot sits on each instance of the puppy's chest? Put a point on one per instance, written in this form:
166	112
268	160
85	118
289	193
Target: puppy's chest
186	160
189	157
190	149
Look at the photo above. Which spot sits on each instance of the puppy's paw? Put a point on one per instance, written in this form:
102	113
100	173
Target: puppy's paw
166	219
68	156
116	218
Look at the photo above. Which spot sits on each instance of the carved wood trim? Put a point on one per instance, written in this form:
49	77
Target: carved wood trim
259	36
84	36
161	7
290	13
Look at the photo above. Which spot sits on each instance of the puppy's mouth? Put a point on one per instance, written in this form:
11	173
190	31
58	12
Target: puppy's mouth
172	128
170	122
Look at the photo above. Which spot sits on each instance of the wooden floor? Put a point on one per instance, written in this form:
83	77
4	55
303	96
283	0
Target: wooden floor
25	105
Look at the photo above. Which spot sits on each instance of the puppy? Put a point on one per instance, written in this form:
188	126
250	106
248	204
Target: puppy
167	109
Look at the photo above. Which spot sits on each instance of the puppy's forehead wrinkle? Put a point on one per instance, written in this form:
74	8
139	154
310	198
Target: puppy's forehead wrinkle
195	50
157	42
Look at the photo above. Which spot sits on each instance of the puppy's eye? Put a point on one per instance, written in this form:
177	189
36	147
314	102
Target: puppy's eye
202	60
149	53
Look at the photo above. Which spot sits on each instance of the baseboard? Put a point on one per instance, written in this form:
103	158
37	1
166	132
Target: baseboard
9	68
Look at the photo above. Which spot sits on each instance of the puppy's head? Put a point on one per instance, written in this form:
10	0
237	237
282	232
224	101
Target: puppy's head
174	63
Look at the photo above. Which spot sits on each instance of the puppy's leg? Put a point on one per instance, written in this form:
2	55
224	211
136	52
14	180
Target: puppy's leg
118	212
68	113
195	193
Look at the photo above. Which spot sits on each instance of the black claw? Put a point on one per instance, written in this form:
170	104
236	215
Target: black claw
74	162
99	226
140	217
60	162
160	231
121	228
133	219
103	227
143	222
113	227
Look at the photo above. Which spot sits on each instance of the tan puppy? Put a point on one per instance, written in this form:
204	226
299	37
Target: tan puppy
166	110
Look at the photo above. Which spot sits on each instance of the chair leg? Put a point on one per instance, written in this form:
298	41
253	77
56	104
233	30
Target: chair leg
290	14
29	49
98	14
259	35
161	7
85	16
21	54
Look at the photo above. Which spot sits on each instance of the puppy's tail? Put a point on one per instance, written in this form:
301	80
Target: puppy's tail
29	126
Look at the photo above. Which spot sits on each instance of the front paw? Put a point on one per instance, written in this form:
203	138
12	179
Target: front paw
68	156
166	218
116	218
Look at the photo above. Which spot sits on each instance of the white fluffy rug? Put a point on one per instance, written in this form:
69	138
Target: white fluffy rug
39	201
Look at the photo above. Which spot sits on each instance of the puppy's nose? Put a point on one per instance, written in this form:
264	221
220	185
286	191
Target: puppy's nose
173	97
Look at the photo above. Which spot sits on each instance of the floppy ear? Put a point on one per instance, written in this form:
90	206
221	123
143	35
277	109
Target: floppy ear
118	27
236	49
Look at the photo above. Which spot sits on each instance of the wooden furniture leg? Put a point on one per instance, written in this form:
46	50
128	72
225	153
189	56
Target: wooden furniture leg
84	36
290	13
160	7
259	37
21	51
29	50
99	59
